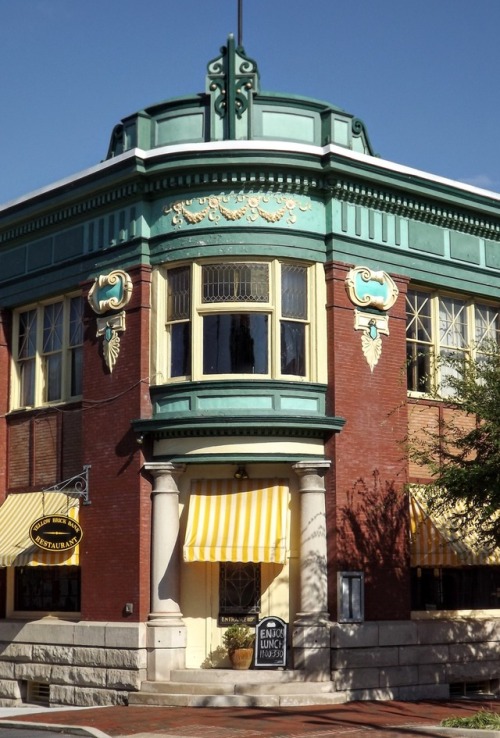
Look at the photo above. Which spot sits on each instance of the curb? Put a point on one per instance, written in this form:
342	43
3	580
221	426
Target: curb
440	730
72	729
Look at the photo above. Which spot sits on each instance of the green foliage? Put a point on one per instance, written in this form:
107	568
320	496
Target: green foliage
464	458
238	636
482	720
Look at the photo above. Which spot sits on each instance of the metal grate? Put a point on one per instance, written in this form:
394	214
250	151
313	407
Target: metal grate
38	693
485	689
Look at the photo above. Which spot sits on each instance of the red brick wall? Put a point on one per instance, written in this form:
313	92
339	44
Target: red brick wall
116	525
366	507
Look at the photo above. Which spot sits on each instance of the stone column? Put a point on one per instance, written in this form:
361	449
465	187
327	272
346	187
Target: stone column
166	634
311	636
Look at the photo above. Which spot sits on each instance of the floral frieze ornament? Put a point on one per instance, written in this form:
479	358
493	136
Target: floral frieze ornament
376	292
234	206
110	293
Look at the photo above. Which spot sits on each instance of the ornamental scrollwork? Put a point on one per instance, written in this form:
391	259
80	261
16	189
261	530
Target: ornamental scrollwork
375	292
371	289
110	292
272	208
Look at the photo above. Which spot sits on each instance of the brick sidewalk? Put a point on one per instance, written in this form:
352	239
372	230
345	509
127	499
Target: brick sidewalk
355	719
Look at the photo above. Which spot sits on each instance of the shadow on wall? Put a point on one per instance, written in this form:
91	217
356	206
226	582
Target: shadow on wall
373	536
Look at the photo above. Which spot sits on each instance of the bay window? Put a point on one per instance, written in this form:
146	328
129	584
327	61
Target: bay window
250	318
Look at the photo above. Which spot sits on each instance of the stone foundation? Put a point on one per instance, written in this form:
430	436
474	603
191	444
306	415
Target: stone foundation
83	663
87	664
411	660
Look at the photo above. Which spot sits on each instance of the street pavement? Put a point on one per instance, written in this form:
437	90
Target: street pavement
354	720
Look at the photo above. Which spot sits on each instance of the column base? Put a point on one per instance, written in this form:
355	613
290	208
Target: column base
311	645
166	639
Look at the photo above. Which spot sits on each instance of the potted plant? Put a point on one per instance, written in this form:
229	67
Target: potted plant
238	640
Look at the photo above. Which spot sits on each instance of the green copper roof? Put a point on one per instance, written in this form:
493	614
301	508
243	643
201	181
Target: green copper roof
234	108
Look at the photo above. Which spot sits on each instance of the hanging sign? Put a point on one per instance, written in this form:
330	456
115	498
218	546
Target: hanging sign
56	533
270	642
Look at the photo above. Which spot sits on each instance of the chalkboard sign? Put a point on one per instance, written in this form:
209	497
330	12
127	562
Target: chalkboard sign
270	642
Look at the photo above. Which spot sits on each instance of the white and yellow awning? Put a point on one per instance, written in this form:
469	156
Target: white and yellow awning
237	520
435	543
17	514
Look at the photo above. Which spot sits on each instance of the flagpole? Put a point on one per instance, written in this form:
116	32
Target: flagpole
240	22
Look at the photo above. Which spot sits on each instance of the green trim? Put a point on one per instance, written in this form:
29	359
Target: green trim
236	459
422	268
239	407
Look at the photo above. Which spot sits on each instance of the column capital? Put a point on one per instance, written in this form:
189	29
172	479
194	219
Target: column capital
165	476
158	468
315	468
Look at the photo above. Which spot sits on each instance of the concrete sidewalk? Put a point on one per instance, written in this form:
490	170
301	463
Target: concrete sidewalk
355	719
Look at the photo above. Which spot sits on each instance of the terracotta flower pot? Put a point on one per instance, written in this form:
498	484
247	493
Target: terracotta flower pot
241	658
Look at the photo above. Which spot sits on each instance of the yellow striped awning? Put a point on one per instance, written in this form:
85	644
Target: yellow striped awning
435	543
237	520
17	514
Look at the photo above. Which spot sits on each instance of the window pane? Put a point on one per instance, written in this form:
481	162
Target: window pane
53	375
452	322
235	283
178	294
27	334
26	355
76	321
418	367
418	341
418	316
76	359
486	328
53	327
293	360
27	369
180	347
47	588
235	344
239	588
293	291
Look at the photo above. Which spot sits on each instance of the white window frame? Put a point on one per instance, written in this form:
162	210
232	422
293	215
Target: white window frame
315	324
436	346
40	382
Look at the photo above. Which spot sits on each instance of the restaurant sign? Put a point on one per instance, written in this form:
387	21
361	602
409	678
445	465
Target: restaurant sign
56	533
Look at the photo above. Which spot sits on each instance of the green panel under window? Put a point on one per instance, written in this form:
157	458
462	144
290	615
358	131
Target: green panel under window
425	237
68	244
288	126
464	247
13	263
39	254
179	128
492	254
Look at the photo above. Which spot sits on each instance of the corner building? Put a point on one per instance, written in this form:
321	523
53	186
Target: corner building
212	347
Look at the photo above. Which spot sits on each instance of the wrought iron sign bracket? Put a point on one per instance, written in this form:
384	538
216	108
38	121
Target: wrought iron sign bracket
77	485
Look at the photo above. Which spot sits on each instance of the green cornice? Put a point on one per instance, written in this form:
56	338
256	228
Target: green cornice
77	211
423	209
256	425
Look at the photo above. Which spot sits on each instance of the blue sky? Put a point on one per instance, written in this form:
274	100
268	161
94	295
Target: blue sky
421	74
